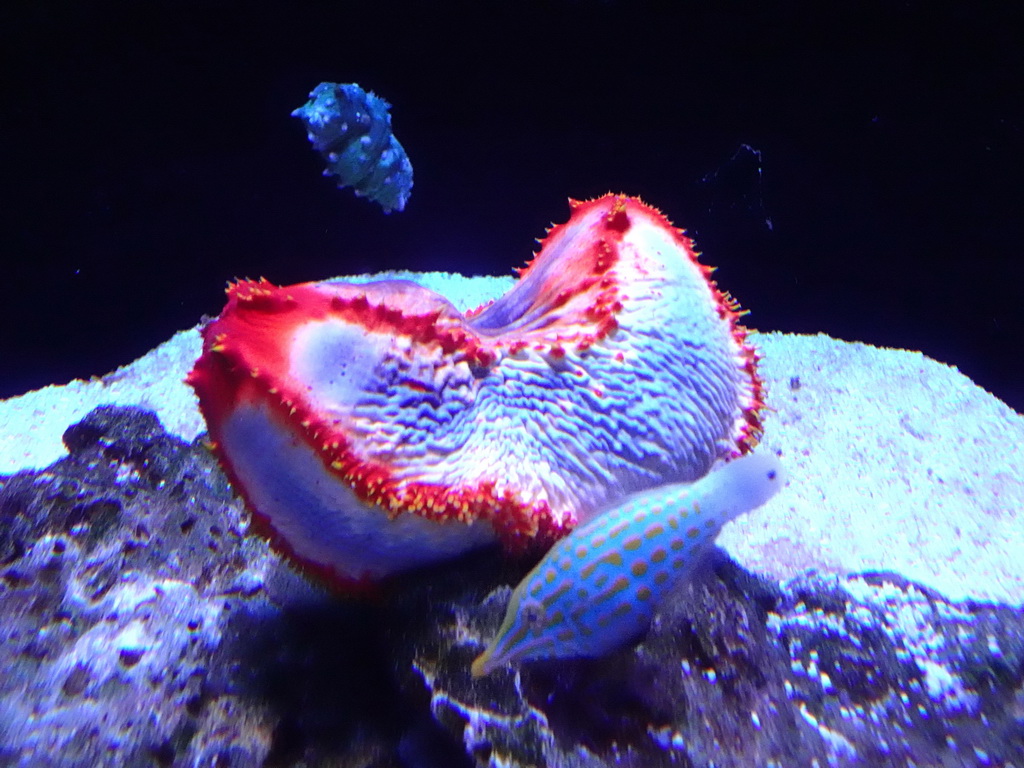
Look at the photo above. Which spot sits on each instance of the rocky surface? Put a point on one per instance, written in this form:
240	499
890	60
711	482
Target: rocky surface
142	623
736	671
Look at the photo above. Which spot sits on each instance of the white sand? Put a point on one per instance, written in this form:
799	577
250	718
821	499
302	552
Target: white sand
896	462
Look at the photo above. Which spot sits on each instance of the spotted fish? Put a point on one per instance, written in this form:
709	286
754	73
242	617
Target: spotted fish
599	587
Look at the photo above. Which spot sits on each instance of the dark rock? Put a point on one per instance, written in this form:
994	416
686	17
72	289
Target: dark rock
142	624
739	672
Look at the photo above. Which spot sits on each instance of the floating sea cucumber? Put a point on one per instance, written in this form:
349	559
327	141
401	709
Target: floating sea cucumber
374	428
351	128
599	587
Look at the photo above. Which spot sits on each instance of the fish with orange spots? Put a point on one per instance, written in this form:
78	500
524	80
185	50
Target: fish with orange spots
598	588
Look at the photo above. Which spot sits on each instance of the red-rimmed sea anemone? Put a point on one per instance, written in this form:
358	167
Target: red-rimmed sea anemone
375	428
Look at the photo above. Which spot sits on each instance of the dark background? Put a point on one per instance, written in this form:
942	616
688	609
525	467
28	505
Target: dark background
854	170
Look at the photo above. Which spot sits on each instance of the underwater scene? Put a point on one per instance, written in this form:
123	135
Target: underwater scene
513	385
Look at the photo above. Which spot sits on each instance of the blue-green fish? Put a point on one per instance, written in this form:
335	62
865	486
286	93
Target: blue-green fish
598	588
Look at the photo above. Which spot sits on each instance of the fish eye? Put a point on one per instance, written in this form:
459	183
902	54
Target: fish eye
532	613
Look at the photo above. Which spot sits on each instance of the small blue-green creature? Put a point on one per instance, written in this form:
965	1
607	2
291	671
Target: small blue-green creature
351	129
598	588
